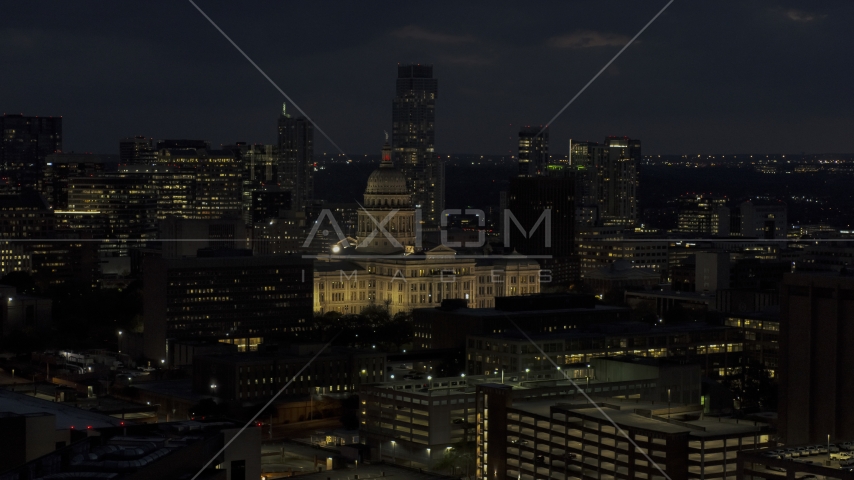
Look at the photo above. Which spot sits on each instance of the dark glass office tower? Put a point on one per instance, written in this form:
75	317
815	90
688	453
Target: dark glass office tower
533	151
413	139
25	143
296	163
136	151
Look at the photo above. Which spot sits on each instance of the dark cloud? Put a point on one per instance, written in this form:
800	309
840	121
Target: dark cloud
588	39
414	32
802	16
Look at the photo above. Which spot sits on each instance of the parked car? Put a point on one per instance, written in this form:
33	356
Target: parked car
833	448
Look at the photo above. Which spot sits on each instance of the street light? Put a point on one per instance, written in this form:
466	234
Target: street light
527	370
430	379
119	342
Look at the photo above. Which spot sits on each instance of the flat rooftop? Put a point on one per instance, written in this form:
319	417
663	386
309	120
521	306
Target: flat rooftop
67	416
625	415
492	312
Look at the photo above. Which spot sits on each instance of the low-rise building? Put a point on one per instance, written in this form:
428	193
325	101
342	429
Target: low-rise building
448	325
260	375
715	348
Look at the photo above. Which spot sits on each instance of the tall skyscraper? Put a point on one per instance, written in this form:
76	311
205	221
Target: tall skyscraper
25	143
609	180
136	150
533	151
296	164
413	139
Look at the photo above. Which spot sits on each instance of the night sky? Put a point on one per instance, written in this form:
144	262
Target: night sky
706	77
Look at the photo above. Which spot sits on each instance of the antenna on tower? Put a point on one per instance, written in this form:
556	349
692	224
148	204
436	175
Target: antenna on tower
386	135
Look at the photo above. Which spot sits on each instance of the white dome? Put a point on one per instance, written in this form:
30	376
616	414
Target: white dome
386	180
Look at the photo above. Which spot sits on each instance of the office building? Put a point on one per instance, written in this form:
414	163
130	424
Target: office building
762	218
182	237
197	183
137	150
582	163
816	329
19	312
26	216
125	205
280	235
59	167
533	151
715	349
826	257
268	203
26	142
296	158
172	186
619	277
703	214
539	218
609	180
761	333
182	143
599	247
260	375
413	139
242	299
449	324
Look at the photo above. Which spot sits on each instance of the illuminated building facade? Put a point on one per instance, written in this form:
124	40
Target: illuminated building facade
609	180
533	151
372	269
413	139
125	203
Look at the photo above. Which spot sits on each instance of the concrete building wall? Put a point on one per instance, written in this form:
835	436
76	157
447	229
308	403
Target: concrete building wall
816	332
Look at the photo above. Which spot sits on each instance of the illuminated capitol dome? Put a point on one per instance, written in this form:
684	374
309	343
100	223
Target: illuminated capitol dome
387	203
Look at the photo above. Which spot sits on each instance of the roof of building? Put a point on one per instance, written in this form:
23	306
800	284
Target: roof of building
491	312
67	416
649	416
622	270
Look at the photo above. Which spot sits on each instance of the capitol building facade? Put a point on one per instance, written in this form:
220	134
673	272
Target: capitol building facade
384	264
